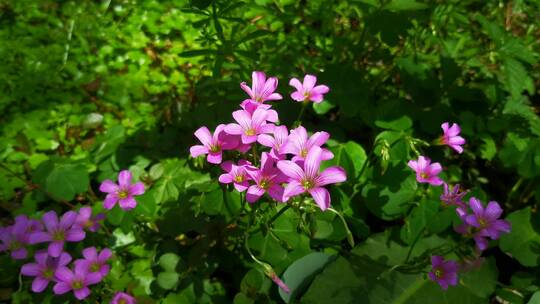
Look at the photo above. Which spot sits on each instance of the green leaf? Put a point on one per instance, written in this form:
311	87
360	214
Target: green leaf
168	261
404	5
62	178
516	78
523	241
195	53
323	107
167	280
535	299
401	124
301	272
350	156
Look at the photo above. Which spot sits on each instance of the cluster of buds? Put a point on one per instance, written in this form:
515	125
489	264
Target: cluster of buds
480	224
290	163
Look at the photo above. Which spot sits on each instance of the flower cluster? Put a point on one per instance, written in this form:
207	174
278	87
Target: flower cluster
257	123
51	264
481	224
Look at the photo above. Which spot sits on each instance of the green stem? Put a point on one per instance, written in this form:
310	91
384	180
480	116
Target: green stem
298	120
414	244
350	237
278	214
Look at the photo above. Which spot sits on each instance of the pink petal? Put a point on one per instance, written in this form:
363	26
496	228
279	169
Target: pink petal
30	269
110	200
454	130
39	237
259	80
276	192
320	90
247	89
444	126
243	118
61	288
234	129
63	274
476	206
194	151
105	254
296	84
92	278
204	135
331	175
254	193
291	169
55	248
318	139
50	220
316	98
274	96
493	211
293	188
65	258
82	293
309	82
433	169
272	115
241	187
321	197
137	188
127	203
75	235
124	178
423	162
214	158
68	219
39	284
413	165
108	186
298	96
266	140
225	178
258	118
90	253
312	162
269	88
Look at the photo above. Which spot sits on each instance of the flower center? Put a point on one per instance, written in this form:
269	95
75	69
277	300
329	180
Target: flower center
424	175
77	284
250	132
95	267
482	222
239	178
258	99
303	152
307	184
14	245
215	148
264	183
122	194
438	273
47	273
306	95
59	235
122	301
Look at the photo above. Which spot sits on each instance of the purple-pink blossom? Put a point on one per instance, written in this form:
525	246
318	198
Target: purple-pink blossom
451	137
44	269
298	144
275	141
85	219
249	126
308	179
307	90
77	280
213	144
487	220
58	232
123	298
14	238
443	272
453	196
96	262
268	179
426	172
262	89
236	175
122	193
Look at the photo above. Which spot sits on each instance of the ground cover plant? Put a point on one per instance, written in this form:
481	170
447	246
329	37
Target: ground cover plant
208	151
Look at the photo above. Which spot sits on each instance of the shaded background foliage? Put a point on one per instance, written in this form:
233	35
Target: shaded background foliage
92	87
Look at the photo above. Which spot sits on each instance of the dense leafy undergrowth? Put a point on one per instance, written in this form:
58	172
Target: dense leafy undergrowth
104	188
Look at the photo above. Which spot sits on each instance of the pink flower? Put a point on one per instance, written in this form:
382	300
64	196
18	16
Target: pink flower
298	143
275	142
123	193
213	145
425	171
271	115
76	281
14	238
236	174
268	179
307	90
262	89
249	126
123	298
308	178
85	219
443	272
94	262
44	269
453	196
280	283
451	137
58	232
